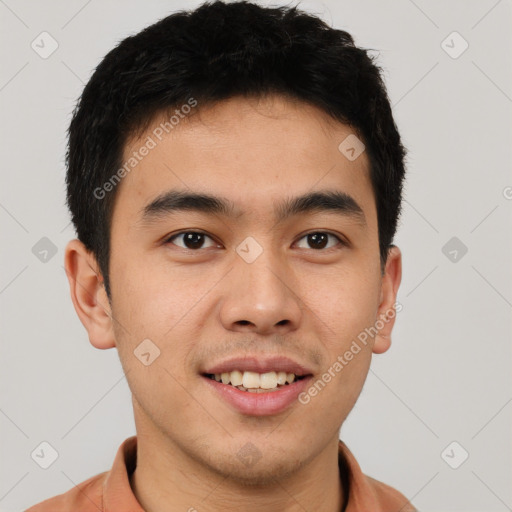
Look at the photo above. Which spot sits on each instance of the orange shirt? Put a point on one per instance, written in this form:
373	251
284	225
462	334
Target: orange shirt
111	492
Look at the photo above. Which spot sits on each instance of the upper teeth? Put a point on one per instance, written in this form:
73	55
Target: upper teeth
250	380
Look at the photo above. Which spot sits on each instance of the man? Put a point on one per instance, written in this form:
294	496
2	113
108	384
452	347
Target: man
234	177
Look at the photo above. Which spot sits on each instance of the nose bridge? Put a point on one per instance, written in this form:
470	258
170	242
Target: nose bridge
260	293
264	278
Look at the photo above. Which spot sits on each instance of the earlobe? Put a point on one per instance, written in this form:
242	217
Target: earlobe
88	294
387	308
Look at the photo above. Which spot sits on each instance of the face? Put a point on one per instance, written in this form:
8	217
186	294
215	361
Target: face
245	283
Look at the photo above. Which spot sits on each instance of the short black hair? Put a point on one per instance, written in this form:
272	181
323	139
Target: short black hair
215	52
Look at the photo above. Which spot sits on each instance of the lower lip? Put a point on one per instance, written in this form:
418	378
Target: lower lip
259	404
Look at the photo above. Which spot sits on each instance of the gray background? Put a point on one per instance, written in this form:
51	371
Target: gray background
447	375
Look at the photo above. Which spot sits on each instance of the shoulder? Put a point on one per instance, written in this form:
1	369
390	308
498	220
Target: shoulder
84	497
388	496
367	493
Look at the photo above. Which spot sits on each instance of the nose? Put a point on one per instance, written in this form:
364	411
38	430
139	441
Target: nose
260	297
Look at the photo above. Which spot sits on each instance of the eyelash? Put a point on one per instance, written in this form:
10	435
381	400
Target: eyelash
341	243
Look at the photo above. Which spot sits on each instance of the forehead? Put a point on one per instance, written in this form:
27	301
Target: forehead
249	151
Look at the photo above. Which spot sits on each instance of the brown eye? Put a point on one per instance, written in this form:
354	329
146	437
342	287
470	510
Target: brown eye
320	239
192	240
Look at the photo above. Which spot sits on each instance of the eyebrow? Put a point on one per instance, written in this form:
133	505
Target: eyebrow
174	201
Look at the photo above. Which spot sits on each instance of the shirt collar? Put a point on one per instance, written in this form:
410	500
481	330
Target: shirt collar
363	492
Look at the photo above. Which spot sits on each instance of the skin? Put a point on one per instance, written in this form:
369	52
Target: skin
201	307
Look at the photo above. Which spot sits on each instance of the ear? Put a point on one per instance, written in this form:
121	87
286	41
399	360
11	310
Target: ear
88	294
387	307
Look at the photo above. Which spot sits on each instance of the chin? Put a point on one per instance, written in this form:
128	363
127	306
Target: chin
264	472
250	465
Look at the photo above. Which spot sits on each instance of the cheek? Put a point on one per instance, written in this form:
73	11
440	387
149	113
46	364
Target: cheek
153	348
345	301
148	298
150	303
333	393
347	304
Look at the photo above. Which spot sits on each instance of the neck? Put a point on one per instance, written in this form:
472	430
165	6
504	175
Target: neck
166	479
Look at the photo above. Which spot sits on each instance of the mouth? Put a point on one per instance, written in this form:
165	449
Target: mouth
253	382
255	386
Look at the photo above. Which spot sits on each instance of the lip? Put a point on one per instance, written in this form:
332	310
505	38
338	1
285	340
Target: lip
259	365
259	404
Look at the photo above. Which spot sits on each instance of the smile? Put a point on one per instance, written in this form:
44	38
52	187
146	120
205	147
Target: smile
254	382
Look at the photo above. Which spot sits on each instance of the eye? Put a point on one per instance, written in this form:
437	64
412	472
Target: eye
319	240
194	240
191	240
